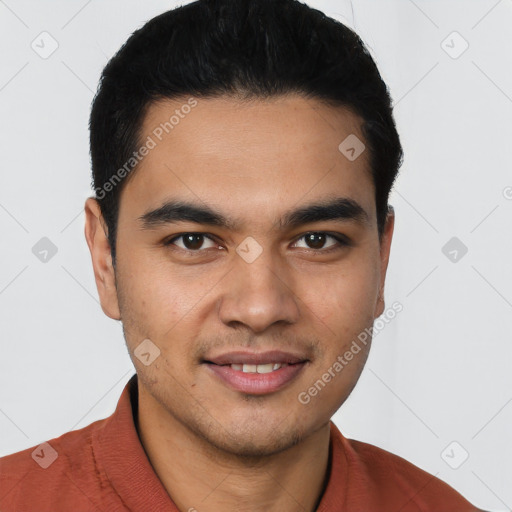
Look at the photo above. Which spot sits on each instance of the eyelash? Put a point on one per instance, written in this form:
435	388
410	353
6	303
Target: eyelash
342	241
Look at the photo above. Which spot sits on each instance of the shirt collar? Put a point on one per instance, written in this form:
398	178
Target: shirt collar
118	449
119	452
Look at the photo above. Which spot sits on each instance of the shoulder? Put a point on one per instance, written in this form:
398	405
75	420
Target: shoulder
398	482
35	476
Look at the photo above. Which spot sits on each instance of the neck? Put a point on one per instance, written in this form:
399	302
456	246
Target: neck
201	478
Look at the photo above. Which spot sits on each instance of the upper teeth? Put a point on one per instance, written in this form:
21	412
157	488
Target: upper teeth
258	368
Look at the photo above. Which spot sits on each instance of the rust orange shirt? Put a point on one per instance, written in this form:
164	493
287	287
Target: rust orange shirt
103	468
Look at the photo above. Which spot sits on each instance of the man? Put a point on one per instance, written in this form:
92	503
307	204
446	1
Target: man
243	153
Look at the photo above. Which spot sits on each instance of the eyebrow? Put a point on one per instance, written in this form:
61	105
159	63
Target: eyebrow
340	208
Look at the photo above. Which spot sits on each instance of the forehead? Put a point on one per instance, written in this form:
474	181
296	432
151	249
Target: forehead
259	154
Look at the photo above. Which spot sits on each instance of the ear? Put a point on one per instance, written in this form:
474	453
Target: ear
96	234
385	247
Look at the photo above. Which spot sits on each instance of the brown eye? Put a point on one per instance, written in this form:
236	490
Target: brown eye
317	240
191	241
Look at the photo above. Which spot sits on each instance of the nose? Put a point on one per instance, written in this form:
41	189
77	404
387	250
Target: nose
258	295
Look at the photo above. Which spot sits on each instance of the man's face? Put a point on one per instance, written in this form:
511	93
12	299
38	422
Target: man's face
201	290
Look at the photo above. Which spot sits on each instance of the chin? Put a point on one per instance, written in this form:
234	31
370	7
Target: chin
257	447
255	439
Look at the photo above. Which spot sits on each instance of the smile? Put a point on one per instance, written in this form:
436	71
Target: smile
258	368
256	379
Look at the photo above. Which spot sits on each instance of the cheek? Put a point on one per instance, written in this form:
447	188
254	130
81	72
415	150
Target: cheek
156	287
153	301
344	300
168	308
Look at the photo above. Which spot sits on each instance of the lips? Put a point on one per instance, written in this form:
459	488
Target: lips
256	373
257	368
253	358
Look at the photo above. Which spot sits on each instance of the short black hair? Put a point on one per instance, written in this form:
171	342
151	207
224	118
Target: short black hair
243	48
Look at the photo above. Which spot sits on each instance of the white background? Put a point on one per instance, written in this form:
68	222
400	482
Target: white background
438	373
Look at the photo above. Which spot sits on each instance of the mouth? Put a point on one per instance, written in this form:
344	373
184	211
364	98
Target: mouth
256	374
255	368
